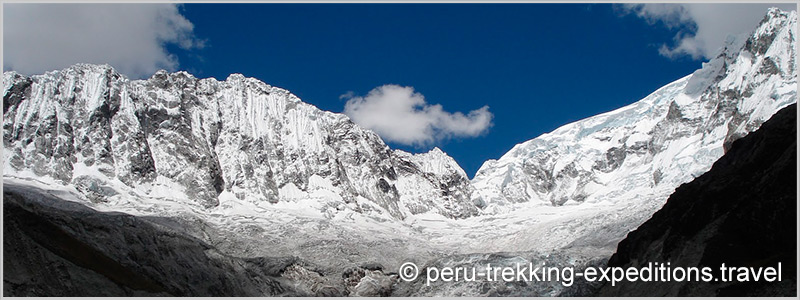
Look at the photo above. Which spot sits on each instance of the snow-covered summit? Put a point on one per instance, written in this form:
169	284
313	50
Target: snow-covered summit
204	142
641	152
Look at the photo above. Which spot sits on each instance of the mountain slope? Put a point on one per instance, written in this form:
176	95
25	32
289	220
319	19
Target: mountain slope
741	213
204	141
587	184
648	148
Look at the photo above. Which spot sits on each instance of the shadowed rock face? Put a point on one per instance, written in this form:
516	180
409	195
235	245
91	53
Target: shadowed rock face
54	247
741	213
57	248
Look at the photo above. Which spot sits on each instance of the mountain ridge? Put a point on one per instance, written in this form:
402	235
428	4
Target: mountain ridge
254	172
262	143
693	118
144	132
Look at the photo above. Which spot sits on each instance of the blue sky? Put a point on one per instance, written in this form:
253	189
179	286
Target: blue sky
536	66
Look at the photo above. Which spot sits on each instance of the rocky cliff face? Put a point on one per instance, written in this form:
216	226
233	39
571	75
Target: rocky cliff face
203	140
741	213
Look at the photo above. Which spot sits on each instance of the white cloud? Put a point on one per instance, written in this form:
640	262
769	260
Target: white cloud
399	114
130	37
707	25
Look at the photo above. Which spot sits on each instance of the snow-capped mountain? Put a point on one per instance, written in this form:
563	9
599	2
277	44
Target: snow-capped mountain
252	173
643	151
203	141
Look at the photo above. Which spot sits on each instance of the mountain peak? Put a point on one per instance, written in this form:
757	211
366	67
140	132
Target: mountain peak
91	68
636	155
207	143
235	77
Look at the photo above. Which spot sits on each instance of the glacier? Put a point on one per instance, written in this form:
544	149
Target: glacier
254	171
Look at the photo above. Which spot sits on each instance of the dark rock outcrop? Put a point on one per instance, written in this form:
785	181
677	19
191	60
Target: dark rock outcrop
742	213
54	247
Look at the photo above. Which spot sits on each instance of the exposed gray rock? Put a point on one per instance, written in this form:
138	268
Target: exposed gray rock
203	137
